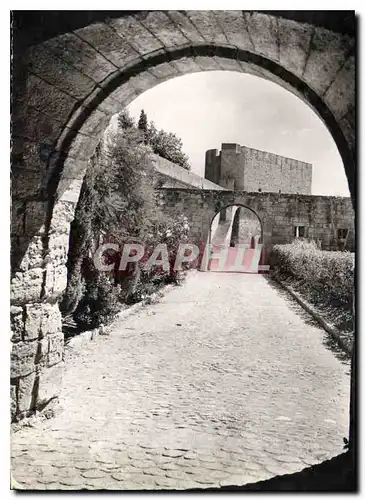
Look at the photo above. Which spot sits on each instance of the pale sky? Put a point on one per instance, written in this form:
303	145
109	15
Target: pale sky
208	108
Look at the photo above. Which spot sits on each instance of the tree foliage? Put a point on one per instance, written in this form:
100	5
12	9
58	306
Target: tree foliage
165	144
115	200
142	122
117	204
125	121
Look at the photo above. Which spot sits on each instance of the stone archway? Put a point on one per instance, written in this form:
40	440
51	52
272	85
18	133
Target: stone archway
235	215
240	226
246	228
66	86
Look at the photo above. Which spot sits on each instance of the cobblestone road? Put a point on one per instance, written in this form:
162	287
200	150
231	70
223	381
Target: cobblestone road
221	382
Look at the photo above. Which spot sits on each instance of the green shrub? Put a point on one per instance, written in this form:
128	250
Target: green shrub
167	231
331	273
99	303
117	204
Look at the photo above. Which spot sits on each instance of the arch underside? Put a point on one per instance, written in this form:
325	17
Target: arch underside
76	81
132	81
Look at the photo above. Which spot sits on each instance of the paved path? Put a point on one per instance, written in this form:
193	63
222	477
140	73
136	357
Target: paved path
222	382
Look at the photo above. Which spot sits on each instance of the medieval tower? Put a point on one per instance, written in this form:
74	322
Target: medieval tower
240	168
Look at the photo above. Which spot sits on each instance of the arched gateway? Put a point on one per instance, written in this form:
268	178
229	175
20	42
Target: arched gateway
73	71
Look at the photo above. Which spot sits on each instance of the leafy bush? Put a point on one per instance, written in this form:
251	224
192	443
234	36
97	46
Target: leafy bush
165	231
99	303
117	204
332	273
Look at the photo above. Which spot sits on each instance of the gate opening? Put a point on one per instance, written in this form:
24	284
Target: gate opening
236	243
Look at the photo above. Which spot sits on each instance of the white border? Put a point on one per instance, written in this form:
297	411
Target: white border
186	5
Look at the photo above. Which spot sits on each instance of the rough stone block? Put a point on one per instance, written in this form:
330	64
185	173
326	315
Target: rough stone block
50	383
33	320
56	280
33	256
160	24
125	93
234	25
29	154
348	126
186	65
263	31
136	34
207	63
51	320
185	25
110	106
207	25
42	353
17	251
55	348
23	356
17	218
328	53
48	99
13	400
26	286
229	64
35	215
294	44
17	323
106	41
68	192
340	96
58	72
81	55
58	249
144	81
34	125
83	146
60	280
74	168
26	183
165	70
25	392
96	123
63	214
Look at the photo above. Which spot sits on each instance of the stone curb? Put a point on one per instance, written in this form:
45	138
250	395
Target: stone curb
136	307
333	331
79	340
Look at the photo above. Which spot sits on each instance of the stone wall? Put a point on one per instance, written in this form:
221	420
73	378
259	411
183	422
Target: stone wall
248	226
321	216
246	169
212	165
36	357
272	173
36	324
171	175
